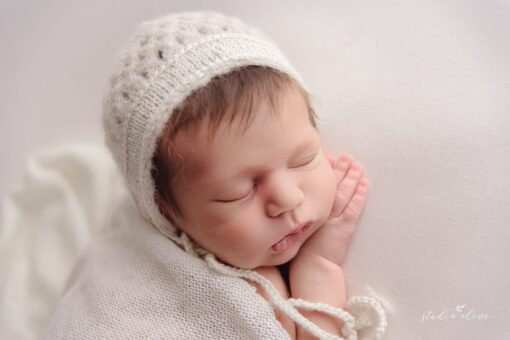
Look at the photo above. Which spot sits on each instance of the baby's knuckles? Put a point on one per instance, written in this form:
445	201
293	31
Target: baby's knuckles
332	239
330	242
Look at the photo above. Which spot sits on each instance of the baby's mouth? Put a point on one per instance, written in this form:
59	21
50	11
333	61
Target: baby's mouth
285	242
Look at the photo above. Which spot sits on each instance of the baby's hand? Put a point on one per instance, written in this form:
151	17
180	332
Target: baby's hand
332	239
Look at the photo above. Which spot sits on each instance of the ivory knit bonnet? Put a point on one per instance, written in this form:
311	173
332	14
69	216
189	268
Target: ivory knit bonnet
164	61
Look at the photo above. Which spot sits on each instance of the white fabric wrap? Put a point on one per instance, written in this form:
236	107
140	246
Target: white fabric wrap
135	283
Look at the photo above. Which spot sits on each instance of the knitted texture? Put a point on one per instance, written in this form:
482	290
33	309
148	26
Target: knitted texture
164	61
132	283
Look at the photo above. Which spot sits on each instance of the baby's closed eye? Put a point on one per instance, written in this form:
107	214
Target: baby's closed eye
237	197
307	160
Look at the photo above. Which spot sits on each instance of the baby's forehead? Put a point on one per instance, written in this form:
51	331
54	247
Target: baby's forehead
198	144
196	149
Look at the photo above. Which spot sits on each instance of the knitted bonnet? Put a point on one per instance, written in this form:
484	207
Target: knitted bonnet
164	61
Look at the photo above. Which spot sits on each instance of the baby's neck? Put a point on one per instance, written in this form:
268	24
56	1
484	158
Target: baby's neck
284	271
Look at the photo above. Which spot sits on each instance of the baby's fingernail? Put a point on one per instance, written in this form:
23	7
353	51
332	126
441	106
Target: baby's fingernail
357	166
345	158
343	162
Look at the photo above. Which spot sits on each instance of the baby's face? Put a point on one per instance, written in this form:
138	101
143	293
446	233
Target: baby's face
242	193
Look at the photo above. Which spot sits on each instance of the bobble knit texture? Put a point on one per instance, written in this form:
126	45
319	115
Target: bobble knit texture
164	61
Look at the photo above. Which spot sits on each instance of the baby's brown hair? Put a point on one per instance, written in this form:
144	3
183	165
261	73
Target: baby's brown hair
225	97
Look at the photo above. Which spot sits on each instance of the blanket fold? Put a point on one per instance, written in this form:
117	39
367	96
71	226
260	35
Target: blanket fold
66	199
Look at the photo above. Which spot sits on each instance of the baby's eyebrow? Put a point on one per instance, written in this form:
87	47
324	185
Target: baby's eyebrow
242	172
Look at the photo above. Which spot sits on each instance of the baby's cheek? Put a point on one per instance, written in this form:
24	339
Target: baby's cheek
222	213
327	183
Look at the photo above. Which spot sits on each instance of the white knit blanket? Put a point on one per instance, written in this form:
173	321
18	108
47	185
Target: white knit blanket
134	283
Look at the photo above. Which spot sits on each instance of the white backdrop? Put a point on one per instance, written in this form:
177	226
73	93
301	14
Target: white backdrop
417	91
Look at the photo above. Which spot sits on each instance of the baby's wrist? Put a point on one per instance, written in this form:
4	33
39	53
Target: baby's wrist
307	263
316	279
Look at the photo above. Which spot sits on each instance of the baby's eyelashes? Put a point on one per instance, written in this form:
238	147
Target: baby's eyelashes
304	164
306	161
236	198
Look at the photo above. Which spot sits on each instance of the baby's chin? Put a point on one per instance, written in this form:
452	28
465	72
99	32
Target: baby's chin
272	261
276	259
286	257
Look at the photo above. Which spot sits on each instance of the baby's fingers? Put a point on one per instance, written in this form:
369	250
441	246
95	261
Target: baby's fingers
353	210
342	167
347	186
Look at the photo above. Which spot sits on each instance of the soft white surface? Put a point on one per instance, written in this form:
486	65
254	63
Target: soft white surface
415	90
68	197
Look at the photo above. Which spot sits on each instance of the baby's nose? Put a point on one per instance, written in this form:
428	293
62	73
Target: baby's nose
284	194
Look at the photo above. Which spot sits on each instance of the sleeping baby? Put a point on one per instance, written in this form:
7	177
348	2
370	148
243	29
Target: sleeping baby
245	219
